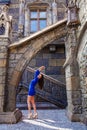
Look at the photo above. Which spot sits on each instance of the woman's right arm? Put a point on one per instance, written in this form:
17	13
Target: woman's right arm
37	72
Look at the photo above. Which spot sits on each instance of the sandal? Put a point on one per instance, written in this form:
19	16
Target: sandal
35	116
30	116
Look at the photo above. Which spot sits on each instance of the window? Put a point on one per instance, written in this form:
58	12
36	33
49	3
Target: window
4	1
38	20
2	30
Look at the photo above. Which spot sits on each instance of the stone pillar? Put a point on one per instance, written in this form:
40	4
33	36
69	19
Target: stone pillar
26	32
54	12
49	16
21	17
3	68
82	58
74	108
5	28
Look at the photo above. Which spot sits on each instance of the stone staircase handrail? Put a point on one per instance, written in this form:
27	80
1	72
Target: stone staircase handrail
48	77
29	38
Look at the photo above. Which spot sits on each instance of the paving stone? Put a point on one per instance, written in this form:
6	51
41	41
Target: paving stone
47	120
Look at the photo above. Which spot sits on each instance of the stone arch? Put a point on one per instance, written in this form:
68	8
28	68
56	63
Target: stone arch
33	44
27	56
25	59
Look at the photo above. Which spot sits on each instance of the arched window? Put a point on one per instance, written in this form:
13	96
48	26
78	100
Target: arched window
2	29
4	1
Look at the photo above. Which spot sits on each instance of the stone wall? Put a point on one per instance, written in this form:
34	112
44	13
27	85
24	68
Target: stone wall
82	55
83	81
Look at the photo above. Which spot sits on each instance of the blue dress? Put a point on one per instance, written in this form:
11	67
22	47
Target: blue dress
31	90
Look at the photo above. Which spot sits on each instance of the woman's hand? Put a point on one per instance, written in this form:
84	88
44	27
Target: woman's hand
41	68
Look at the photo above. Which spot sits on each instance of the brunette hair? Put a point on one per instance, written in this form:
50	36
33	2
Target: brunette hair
41	82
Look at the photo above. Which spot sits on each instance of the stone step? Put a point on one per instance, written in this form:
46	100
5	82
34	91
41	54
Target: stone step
39	105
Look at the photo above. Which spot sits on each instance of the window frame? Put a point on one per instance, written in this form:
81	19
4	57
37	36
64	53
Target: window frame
38	10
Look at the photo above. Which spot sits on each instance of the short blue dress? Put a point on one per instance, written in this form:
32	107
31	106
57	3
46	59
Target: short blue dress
31	90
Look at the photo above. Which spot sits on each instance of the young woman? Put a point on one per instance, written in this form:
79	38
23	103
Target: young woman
38	78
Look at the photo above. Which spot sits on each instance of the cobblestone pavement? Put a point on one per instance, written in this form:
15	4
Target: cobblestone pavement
47	120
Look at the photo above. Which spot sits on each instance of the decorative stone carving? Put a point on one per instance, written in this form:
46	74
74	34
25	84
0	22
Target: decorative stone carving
71	48
5	21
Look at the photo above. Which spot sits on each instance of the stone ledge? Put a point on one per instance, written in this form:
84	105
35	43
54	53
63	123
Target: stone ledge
10	117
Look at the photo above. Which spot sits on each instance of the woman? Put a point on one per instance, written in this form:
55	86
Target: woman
38	78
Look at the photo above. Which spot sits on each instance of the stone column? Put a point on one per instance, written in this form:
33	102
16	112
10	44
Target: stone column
21	17
74	95
54	12
74	108
27	30
49	16
82	58
5	28
3	69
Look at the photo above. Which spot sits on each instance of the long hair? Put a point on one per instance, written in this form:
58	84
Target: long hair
41	82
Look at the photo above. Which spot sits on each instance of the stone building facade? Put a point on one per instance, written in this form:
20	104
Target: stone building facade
15	57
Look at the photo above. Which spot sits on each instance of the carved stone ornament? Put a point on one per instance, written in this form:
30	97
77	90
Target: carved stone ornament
4	11
5	20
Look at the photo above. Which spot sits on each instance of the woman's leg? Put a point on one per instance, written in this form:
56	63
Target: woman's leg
33	104
34	107
29	98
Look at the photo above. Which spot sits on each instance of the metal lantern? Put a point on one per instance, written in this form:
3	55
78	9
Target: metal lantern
72	15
